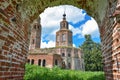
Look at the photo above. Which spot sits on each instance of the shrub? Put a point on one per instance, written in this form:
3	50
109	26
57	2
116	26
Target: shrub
33	72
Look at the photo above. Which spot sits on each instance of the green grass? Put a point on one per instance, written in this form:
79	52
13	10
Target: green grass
39	73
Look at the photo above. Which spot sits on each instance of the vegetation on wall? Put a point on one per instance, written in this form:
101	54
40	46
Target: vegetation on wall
33	72
92	55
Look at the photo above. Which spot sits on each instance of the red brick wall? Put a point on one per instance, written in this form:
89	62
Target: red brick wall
58	58
116	51
14	46
50	59
13	42
110	37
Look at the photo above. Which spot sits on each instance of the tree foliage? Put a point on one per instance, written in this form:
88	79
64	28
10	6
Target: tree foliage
92	55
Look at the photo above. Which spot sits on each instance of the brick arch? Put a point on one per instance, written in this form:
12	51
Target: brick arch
15	19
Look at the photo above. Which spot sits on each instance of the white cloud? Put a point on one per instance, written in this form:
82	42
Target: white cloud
90	27
74	45
47	45
53	15
75	30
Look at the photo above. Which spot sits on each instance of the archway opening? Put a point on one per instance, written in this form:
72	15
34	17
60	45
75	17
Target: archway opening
80	23
15	13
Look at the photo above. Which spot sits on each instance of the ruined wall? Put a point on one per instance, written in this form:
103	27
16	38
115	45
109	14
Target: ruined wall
50	59
15	16
72	57
13	41
110	38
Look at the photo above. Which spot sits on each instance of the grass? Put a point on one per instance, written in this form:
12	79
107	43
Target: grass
39	73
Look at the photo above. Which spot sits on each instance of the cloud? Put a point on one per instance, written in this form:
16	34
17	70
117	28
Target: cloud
53	15
74	45
90	27
75	30
47	45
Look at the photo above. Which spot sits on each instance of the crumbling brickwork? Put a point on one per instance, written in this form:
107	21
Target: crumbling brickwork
14	27
13	42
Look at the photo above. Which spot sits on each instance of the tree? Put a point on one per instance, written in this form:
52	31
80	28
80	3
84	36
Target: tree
92	54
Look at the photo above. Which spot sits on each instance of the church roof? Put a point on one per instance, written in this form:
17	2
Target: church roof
49	51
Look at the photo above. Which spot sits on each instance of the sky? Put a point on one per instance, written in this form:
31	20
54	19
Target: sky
79	23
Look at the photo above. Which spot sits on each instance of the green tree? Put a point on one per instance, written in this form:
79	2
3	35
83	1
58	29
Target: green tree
92	54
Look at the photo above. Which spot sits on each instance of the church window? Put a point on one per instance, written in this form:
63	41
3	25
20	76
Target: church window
69	65
39	62
28	61
63	54
44	63
32	62
70	39
63	37
56	62
69	54
63	65
34	26
38	27
33	41
66	25
62	25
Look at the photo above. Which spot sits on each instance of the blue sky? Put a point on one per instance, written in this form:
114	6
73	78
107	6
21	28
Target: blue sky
79	23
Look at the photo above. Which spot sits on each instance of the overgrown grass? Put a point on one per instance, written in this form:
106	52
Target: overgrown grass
38	73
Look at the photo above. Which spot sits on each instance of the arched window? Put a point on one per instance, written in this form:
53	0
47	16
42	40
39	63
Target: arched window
34	26
28	61
32	62
44	63
69	65
63	37
39	62
63	65
63	54
69	55
33	41
56	62
38	27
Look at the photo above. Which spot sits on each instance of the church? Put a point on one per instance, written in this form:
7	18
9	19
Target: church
63	54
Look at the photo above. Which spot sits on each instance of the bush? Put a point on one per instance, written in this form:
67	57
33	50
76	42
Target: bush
33	72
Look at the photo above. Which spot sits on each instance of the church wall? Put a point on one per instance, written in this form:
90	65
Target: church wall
50	59
59	60
75	60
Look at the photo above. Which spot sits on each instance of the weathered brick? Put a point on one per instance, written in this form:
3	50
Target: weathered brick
110	46
2	37
5	48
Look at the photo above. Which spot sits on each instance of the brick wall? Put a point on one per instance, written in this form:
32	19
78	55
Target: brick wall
111	52
50	59
14	35
13	41
110	37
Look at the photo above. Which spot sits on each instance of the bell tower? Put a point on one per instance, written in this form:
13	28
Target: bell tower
64	35
35	37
